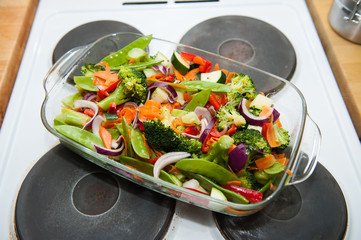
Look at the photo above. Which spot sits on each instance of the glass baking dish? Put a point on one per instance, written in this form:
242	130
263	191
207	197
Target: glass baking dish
305	134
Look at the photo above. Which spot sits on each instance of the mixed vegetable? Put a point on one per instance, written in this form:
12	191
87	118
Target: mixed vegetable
180	119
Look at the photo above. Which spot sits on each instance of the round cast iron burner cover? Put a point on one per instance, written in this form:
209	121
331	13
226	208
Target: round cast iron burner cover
67	197
314	209
88	33
248	40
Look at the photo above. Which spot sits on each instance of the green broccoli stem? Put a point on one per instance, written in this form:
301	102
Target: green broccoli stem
267	185
219	151
118	96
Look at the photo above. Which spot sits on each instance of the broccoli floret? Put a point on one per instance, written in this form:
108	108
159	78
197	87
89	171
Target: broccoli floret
134	83
166	139
242	86
255	110
254	139
228	115
133	87
282	136
248	179
89	69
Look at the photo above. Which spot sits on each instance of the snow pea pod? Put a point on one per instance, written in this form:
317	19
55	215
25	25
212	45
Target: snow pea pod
119	57
145	167
69	100
138	66
199	100
72	117
81	136
138	143
208	184
203	85
208	169
86	83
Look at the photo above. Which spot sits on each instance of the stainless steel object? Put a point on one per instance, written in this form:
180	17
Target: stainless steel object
345	17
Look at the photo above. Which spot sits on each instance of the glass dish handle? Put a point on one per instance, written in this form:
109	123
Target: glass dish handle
306	159
62	66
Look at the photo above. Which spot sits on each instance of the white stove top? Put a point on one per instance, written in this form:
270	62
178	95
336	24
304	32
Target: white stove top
23	138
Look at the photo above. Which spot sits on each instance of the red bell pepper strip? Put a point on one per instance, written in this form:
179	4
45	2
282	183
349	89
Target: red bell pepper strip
251	195
112	107
204	65
112	86
192	130
213	100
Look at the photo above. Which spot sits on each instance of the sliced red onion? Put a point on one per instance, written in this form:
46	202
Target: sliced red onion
167	159
212	110
202	111
117	142
87	104
136	120
207	130
204	124
250	118
108	152
90	96
275	114
166	87
96	124
130	105
161	68
237	158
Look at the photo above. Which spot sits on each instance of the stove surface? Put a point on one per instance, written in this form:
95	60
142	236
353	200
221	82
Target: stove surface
24	140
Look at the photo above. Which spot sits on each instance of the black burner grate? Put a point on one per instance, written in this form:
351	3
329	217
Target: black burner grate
248	40
88	33
314	209
67	197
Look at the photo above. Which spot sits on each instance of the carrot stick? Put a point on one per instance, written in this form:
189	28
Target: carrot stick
106	137
216	67
265	162
266	111
234	182
178	75
229	77
212	99
192	74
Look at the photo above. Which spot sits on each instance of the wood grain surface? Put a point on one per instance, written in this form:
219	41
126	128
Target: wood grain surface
16	18
344	57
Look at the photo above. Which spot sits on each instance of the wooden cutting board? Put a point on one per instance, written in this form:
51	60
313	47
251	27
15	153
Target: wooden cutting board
344	57
16	17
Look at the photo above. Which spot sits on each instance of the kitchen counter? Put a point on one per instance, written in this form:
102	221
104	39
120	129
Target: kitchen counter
16	18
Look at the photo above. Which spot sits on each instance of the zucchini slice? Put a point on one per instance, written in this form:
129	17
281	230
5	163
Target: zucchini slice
215	76
179	63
